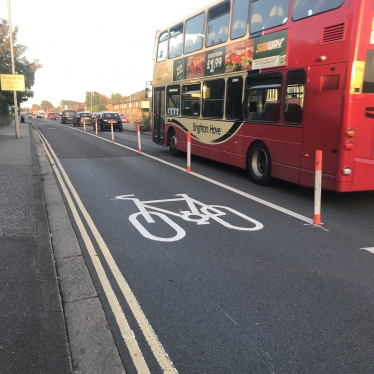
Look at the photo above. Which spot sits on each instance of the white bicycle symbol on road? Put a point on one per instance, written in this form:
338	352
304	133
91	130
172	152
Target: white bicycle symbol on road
200	216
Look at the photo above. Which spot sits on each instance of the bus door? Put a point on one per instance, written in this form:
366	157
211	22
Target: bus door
159	114
322	119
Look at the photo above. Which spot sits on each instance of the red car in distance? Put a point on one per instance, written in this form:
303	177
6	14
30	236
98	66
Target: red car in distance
124	118
51	115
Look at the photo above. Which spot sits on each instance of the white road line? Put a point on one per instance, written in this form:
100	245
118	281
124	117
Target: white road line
148	332
369	249
232	189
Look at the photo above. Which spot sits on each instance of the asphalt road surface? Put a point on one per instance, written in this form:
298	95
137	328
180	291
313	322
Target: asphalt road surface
213	273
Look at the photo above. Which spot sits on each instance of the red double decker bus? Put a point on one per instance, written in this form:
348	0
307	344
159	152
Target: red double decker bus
263	84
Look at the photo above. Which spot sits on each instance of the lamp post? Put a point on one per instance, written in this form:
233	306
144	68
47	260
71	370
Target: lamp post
13	71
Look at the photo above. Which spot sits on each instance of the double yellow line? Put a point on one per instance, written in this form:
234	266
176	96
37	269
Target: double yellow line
76	205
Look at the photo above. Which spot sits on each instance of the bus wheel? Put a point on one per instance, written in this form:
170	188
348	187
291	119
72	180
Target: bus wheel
259	164
173	144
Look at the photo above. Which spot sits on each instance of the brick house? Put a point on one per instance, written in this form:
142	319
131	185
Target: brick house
133	106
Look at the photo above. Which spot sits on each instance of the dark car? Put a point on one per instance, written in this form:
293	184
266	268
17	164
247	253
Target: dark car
104	119
93	118
68	115
81	117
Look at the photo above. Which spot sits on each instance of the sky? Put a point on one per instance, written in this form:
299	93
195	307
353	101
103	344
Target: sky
99	45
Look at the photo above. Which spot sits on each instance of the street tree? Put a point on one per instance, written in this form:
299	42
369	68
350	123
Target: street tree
69	103
98	101
45	105
115	98
21	63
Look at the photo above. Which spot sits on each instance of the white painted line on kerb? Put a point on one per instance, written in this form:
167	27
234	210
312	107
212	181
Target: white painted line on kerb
158	350
369	249
232	189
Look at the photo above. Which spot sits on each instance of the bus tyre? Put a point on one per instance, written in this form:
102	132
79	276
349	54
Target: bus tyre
259	164
173	144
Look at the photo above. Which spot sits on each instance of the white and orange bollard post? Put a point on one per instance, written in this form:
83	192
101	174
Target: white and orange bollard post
139	140
317	189
96	126
188	151
84	125
111	127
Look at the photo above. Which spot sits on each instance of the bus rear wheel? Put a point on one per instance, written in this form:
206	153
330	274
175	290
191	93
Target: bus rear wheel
259	164
173	144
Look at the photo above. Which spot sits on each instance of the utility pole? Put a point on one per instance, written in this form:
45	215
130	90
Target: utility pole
13	70
91	99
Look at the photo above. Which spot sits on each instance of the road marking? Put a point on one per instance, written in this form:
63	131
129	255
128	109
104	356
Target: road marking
158	350
369	249
231	318
232	189
199	215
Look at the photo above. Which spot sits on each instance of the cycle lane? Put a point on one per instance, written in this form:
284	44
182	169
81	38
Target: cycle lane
265	297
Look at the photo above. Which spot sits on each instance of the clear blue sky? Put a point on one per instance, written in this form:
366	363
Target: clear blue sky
104	46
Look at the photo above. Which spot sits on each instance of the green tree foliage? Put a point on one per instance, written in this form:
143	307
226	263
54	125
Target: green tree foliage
115	98
69	103
45	105
97	100
22	66
36	106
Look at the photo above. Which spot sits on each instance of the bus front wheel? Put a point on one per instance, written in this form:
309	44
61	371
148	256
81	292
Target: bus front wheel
259	164
173	144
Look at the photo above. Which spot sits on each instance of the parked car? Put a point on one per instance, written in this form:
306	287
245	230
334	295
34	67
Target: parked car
104	119
51	115
124	118
81	117
68	115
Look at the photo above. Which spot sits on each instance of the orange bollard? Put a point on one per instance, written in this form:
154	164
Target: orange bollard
188	151
139	141
96	125
84	125
111	127
317	188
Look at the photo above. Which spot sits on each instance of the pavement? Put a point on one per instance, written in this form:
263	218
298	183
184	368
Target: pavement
51	320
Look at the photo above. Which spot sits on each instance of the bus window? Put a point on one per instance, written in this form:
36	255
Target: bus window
294	98
193	40
263	98
307	8
239	18
218	24
162	47
213	94
368	85
173	101
234	98
191	100
268	13
175	41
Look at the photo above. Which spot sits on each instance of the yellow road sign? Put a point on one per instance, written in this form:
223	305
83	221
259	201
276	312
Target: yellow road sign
12	82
